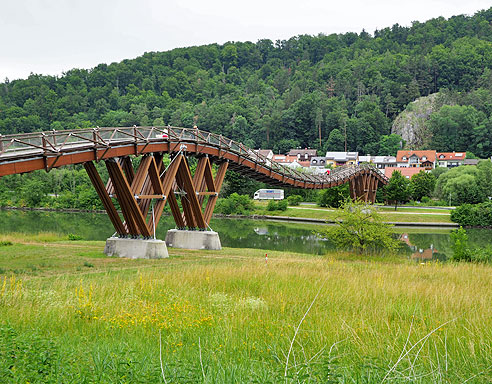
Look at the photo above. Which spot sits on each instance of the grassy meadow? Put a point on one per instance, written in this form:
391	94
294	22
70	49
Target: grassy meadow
69	314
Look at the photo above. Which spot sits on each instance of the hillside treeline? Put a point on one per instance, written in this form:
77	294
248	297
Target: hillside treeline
280	94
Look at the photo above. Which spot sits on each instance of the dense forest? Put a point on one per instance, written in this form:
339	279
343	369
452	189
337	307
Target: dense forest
282	94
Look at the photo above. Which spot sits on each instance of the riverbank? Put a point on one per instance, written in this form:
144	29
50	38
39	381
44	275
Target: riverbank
68	313
309	215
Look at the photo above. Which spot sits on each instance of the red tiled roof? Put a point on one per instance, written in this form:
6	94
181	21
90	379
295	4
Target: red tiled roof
284	158
305	163
407	172
451	155
431	155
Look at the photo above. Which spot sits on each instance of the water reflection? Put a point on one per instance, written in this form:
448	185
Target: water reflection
421	243
427	253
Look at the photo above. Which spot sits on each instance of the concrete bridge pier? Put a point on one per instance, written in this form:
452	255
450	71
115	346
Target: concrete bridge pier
136	248
178	238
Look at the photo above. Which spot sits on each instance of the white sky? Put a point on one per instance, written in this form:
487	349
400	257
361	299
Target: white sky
52	36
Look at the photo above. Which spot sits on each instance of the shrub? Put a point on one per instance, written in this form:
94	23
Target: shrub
280	205
294	200
463	252
333	197
73	237
473	215
235	205
361	228
459	240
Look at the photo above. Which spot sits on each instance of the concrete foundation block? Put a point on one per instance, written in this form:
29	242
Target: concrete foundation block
136	248
178	238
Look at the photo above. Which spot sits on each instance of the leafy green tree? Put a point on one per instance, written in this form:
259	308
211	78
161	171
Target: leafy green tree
397	189
422	184
390	144
335	142
333	197
460	185
361	228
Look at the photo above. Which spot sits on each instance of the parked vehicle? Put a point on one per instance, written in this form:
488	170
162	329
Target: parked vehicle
269	194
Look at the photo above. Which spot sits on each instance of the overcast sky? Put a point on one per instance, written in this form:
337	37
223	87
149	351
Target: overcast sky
52	36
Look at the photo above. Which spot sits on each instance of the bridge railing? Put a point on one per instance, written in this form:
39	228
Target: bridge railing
54	142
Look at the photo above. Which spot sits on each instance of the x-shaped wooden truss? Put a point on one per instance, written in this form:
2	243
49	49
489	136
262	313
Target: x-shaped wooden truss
364	187
135	192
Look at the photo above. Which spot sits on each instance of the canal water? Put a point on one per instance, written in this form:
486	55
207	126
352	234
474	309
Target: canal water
421	243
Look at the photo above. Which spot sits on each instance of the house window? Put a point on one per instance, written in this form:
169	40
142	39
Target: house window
315	161
404	158
441	156
424	158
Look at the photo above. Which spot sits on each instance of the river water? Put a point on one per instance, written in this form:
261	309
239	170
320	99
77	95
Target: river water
421	243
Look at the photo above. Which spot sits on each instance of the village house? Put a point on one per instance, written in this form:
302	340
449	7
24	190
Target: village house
450	159
341	158
303	154
416	159
381	162
318	162
268	153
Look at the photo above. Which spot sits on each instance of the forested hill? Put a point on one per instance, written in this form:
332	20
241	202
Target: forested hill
281	94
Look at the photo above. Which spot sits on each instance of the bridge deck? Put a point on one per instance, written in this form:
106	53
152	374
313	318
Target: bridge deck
23	153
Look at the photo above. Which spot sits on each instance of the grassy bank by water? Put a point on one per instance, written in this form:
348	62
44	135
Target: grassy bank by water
388	216
70	314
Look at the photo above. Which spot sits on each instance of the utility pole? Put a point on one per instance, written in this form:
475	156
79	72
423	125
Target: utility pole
345	132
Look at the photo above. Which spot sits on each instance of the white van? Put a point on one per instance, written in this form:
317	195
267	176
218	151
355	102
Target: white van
269	194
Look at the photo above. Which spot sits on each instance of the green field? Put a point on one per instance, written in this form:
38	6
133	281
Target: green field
71	315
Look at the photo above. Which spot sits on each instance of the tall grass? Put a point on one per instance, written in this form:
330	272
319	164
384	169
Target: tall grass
228	316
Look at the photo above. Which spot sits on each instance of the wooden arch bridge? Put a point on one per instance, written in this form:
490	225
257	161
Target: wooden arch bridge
143	192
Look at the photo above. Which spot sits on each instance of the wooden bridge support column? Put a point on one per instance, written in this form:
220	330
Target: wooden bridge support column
135	191
364	187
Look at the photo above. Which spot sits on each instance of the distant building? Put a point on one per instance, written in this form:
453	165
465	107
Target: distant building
336	159
416	159
471	161
268	153
303	154
318	161
382	162
284	159
365	159
406	172
450	159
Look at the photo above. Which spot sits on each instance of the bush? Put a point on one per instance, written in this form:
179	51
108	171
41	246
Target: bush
280	205
294	200
333	197
73	237
463	252
473	215
361	228
235	205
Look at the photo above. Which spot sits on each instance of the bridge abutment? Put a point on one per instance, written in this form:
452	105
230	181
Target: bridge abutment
178	238
136	248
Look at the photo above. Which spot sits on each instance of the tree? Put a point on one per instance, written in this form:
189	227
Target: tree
333	197
460	185
422	184
397	188
336	141
390	144
361	228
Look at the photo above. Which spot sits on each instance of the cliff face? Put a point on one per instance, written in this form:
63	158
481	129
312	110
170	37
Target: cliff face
412	125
